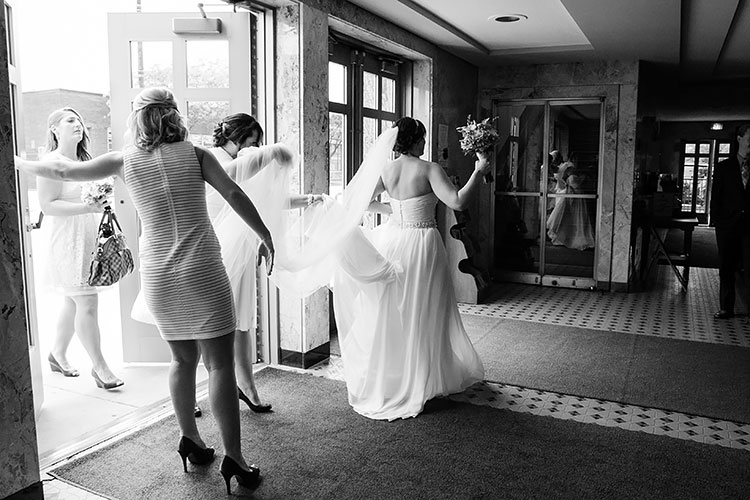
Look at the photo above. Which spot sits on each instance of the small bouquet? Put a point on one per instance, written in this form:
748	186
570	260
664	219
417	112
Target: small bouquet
98	192
478	137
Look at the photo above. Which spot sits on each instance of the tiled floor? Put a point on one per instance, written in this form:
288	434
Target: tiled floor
664	311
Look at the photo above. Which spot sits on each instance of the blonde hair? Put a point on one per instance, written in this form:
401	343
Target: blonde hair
82	148
155	119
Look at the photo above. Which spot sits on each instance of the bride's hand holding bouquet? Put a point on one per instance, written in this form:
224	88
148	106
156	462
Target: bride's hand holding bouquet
483	165
478	138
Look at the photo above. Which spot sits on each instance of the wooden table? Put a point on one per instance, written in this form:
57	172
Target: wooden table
661	225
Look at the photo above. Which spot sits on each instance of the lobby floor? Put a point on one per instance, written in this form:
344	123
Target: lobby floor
664	311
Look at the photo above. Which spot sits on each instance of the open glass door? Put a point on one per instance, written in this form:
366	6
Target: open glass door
209	72
546	212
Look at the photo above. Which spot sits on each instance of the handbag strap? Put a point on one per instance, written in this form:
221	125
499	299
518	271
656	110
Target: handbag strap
114	218
107	218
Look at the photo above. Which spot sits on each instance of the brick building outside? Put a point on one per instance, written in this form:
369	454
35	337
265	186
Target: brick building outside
93	107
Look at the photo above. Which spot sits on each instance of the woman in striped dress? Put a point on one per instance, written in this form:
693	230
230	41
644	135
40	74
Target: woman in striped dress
184	280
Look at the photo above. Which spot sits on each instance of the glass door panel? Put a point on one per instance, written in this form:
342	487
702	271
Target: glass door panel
210	77
202	117
337	153
518	193
546	210
575	130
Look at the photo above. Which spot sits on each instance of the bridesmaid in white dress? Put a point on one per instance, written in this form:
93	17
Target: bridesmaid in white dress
238	140
73	227
408	344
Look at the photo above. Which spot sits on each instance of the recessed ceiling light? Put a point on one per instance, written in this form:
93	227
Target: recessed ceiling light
508	18
717	126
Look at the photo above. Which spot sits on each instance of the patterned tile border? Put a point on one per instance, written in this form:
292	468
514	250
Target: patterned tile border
664	311
589	411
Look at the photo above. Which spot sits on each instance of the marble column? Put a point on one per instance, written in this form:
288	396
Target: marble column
302	119
19	460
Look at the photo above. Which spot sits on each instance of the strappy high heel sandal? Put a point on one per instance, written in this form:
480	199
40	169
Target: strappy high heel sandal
248	478
188	450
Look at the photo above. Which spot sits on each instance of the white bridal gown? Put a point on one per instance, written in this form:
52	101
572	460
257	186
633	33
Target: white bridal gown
403	342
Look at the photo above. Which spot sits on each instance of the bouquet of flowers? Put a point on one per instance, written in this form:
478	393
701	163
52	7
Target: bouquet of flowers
98	192
476	137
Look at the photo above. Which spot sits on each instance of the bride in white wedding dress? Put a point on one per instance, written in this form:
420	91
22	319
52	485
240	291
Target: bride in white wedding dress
402	339
403	342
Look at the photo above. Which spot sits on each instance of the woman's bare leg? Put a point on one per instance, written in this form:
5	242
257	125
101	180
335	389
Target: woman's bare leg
185	356
64	333
244	366
218	357
87	328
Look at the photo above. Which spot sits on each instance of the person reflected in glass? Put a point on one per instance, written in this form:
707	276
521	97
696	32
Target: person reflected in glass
569	223
73	227
184	281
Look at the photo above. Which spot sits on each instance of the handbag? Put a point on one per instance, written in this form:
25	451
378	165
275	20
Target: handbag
112	258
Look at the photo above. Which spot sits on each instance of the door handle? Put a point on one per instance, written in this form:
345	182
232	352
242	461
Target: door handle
35	225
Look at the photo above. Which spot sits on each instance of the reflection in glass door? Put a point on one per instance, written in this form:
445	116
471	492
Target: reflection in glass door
547	192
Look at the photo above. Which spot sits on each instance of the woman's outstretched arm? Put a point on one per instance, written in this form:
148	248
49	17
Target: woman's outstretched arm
68	170
217	177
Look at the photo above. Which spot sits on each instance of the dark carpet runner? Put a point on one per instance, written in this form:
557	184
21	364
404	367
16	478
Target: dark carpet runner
314	446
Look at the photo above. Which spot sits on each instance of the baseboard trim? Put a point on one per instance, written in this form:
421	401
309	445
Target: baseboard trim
307	359
32	492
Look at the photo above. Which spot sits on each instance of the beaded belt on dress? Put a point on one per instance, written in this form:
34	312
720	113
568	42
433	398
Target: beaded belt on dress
420	224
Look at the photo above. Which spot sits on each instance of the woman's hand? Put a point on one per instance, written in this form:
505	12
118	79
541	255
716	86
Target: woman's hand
482	165
99	205
312	199
266	251
283	154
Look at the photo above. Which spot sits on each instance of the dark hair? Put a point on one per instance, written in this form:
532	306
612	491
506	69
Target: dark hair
236	128
410	132
742	130
82	148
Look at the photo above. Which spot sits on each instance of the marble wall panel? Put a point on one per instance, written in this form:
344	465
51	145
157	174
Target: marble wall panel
288	129
314	97
19	461
624	184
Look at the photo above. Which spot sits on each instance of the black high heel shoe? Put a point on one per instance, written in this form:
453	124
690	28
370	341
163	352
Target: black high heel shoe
248	478
261	408
106	385
188	450
55	367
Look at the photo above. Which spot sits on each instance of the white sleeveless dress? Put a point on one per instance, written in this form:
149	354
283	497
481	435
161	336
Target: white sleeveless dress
72	242
403	342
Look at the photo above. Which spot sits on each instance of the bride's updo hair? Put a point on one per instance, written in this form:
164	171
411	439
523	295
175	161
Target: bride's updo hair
410	132
155	119
236	128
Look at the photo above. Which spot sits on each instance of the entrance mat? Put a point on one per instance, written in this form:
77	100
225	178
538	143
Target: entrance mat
313	445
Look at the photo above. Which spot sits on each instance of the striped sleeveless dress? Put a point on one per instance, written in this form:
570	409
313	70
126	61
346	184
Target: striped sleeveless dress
184	281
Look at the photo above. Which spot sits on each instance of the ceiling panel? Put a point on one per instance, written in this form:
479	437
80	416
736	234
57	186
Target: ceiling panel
702	39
